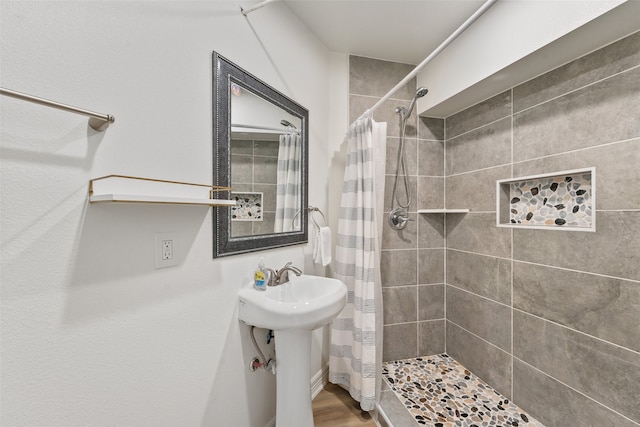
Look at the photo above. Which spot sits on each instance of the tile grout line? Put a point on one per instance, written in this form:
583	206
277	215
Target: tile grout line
575	390
512	244
479	337
417	245
544	157
545	265
410	286
514	309
479	127
578	271
577	150
553	322
444	229
481	296
412	322
501	165
577	89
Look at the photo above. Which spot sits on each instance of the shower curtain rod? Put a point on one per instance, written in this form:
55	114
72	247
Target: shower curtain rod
97	121
283	129
245	12
433	54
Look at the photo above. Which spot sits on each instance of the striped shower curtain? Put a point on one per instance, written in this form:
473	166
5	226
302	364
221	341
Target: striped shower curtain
356	334
289	182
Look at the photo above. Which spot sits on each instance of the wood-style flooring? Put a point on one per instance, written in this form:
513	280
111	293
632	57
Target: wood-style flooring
333	407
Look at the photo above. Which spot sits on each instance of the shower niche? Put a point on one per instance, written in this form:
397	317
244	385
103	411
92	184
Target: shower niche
563	200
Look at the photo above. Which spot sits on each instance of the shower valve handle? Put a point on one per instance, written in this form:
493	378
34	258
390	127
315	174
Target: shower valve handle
398	219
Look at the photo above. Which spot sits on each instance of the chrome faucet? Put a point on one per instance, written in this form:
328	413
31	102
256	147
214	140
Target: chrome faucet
282	276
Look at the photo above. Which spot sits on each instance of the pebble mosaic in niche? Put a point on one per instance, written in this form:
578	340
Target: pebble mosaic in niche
563	200
248	206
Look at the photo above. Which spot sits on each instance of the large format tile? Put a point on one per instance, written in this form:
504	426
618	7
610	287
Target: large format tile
266	225
430	192
400	239
266	170
607	308
617	172
485	112
431	339
430	158
604	372
400	304
269	195
242	146
385	113
483	275
241	169
605	62
375	77
483	359
430	302
393	153
398	267
400	341
577	119
557	405
431	128
389	199
612	250
487	319
484	147
266	148
430	231
430	266
475	190
477	232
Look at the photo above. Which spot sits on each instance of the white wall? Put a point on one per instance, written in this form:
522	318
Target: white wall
516	40
92	333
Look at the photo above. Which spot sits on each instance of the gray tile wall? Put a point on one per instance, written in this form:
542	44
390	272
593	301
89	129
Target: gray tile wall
551	318
412	261
254	167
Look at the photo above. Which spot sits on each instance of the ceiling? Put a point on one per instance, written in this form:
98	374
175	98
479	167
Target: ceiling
405	31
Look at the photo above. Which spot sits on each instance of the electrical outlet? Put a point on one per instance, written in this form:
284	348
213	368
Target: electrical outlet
166	251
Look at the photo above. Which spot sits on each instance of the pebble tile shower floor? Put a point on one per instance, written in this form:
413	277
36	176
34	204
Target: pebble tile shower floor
440	392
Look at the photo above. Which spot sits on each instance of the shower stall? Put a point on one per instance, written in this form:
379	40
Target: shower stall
533	313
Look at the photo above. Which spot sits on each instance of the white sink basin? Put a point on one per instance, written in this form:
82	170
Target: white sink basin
304	303
293	310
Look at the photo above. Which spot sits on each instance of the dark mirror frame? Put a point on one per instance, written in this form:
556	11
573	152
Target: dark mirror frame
225	73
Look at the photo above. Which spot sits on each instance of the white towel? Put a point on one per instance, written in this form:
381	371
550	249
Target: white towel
322	248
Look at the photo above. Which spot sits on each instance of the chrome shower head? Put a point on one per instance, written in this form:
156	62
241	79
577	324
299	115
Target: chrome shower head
284	122
422	91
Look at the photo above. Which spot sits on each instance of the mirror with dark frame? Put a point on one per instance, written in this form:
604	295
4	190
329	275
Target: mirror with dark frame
260	150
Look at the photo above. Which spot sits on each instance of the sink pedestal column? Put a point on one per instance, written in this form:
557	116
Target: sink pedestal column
293	379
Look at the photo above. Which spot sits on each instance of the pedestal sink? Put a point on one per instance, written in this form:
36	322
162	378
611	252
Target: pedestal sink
293	310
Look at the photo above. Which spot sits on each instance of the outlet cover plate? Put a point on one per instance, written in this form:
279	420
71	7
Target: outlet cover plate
160	243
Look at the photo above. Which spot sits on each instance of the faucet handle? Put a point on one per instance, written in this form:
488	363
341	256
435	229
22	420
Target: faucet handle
272	276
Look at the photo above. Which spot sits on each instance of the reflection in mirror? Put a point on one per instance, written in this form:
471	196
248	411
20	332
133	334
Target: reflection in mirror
260	150
265	166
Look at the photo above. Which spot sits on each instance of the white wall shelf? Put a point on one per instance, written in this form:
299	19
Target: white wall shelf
443	211
131	189
563	200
